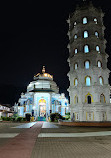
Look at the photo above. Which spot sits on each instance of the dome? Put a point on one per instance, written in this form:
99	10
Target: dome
43	75
43	83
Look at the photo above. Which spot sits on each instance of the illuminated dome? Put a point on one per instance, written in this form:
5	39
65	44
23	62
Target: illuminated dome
43	83
44	75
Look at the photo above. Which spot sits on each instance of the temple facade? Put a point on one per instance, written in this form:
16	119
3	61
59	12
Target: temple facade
89	86
42	98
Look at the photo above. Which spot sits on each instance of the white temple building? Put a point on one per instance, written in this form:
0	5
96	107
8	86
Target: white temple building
42	98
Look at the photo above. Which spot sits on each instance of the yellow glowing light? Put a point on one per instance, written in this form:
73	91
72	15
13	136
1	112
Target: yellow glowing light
42	101
37	75
45	75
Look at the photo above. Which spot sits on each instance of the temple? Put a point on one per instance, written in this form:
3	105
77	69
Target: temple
42	98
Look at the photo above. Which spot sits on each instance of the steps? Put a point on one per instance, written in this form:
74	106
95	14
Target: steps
41	118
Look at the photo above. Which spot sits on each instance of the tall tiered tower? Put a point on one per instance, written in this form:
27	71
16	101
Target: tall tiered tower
89	86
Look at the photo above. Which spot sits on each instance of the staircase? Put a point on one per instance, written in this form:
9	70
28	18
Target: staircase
41	118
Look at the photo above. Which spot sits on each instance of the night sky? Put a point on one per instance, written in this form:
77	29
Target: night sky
33	34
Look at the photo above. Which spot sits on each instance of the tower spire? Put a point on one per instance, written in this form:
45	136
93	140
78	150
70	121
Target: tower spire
43	70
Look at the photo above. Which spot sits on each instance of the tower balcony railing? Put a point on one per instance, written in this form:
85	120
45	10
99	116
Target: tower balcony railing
91	39
95	104
88	25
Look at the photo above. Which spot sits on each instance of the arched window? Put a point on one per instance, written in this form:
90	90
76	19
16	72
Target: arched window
99	64
75	66
75	23
88	81
87	64
85	34
85	20
77	117
95	20
102	98
76	51
101	81
96	34
98	49
75	82
76	99
86	49
89	99
75	36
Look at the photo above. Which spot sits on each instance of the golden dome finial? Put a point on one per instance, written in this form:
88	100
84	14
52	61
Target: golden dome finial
43	70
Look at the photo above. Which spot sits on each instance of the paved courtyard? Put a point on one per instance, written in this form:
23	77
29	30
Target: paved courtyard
47	140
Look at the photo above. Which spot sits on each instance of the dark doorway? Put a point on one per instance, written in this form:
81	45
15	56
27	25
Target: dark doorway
89	99
28	117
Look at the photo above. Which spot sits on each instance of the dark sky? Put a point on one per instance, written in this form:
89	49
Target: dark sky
34	33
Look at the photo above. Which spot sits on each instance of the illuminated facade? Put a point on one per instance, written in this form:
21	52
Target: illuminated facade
6	111
89	86
42	98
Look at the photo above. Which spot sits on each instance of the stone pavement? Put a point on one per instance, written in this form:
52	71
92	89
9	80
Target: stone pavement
72	135
5	128
49	125
26	125
70	148
75	147
28	145
8	135
21	146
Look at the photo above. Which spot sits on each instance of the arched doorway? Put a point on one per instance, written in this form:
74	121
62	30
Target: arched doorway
42	108
89	99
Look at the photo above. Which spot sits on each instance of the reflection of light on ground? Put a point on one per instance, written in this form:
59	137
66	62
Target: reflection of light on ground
63	135
8	135
49	125
26	125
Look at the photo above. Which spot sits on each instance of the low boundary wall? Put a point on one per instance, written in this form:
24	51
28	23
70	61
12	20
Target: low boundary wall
86	124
